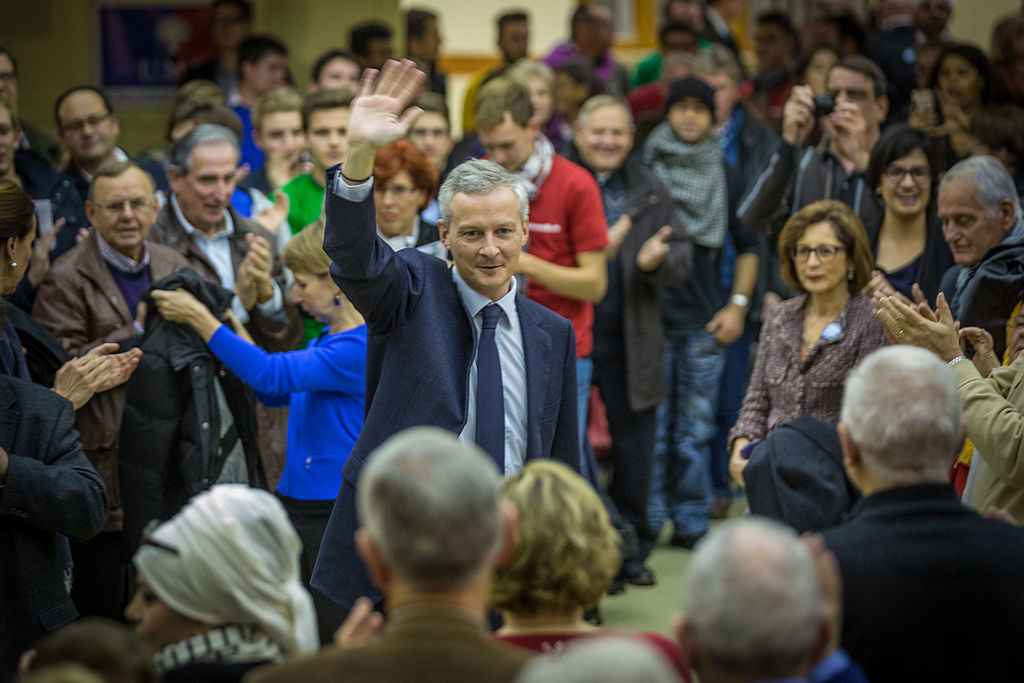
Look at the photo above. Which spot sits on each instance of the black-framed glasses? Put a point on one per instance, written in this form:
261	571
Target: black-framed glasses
895	173
79	125
824	252
147	538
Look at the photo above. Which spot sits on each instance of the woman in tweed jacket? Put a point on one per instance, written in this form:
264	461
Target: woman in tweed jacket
811	341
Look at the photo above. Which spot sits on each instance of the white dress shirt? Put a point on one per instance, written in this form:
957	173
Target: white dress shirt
217	250
511	353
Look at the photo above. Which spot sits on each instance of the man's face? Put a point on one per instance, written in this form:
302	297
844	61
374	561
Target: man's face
266	73
205	191
726	95
931	16
508	144
87	128
380	50
514	41
856	89
280	136
688	12
596	35
9	138
430	133
327	136
228	26
8	79
122	210
969	231
339	74
680	41
425	47
605	139
690	119
485	238
773	48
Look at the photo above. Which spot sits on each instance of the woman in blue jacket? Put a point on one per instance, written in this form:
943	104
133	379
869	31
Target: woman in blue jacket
324	385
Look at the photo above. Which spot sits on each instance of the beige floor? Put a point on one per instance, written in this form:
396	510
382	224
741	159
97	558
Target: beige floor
655	608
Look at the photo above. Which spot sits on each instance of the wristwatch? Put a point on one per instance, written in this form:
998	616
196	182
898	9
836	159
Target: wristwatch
740	300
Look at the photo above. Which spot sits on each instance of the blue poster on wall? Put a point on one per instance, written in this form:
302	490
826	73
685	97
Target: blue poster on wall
144	50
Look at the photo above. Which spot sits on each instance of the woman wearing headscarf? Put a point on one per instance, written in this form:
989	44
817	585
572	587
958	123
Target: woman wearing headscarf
219	591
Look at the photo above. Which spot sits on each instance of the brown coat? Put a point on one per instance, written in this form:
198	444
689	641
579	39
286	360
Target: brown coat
281	332
79	302
424	643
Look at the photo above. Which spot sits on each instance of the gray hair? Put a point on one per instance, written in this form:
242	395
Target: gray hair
991	180
598	101
180	158
902	409
717	59
479	176
752	599
432	505
607	659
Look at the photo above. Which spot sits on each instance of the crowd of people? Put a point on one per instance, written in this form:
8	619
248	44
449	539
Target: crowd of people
309	370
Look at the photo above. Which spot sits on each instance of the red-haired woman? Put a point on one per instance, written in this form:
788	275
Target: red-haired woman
404	182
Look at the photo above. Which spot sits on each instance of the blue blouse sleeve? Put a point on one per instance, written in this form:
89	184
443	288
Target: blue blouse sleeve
336	363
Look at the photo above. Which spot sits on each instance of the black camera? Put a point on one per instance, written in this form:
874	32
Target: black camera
824	104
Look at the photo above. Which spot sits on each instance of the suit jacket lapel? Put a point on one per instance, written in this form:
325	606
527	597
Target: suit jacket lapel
537	353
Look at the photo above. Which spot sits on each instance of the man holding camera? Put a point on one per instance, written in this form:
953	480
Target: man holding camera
851	115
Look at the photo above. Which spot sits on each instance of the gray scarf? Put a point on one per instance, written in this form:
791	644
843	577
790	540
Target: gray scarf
536	169
695	179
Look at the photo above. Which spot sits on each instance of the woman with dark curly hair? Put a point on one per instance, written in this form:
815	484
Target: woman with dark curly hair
810	342
566	553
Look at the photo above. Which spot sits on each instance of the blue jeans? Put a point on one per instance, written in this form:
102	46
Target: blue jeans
733	388
681	477
584	376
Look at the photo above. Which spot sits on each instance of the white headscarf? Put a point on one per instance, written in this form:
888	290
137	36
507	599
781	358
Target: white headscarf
236	562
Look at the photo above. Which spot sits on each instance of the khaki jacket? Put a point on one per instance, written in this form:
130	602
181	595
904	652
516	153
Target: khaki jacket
79	302
993	408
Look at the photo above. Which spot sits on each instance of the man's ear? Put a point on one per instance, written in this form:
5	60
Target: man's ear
688	643
1007	215
374	560
90	211
851	454
883	108
442	233
509	523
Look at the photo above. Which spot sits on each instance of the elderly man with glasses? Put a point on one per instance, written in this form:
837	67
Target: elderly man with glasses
89	298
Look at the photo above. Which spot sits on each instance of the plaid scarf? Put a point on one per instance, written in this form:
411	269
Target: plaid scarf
695	179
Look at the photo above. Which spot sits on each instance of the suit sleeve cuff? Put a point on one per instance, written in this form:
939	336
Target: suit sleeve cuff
353	193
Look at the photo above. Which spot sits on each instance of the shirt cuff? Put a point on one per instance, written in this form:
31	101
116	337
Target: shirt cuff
239	310
273	304
353	193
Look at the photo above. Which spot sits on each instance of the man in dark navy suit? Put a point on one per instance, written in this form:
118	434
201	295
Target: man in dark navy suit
457	348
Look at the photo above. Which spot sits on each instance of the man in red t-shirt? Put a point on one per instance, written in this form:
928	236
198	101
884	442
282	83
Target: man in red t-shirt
565	266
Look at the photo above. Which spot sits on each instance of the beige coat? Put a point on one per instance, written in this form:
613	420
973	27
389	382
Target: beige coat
994	411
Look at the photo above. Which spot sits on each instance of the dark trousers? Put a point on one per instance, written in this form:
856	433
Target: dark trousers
632	443
309	517
103	575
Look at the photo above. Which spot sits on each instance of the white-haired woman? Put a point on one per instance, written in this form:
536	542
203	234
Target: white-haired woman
219	591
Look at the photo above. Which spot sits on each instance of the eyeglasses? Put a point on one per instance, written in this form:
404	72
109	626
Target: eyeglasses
896	173
147	538
79	125
397	191
117	208
824	252
423	133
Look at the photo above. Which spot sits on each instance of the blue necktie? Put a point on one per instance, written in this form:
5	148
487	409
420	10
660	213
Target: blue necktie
490	399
